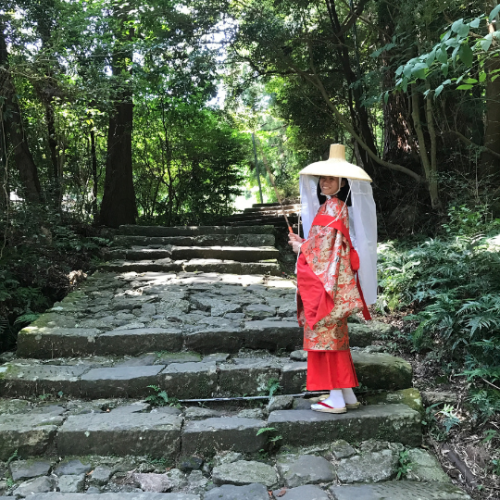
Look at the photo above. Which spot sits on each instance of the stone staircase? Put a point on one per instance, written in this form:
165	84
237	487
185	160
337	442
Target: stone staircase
97	400
264	214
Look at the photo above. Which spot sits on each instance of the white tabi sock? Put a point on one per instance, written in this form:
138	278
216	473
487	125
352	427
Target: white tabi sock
349	396
335	399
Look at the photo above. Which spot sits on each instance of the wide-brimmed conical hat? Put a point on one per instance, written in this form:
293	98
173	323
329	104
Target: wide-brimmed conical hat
336	166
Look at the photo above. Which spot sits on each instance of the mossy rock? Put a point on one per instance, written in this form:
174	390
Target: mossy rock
410	397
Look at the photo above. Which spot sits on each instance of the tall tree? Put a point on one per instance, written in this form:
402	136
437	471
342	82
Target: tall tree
13	121
118	203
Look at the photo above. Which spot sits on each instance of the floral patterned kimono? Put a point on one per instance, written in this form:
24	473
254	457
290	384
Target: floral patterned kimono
327	296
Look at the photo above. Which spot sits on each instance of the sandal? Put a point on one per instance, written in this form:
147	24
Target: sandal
354	406
325	408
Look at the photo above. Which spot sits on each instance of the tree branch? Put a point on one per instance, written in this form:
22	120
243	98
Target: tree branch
319	85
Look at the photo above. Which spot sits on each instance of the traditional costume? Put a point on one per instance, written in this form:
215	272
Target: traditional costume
336	276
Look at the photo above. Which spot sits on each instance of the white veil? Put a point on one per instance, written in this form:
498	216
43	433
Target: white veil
362	227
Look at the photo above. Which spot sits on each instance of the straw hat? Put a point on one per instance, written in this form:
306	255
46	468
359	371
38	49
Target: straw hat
336	166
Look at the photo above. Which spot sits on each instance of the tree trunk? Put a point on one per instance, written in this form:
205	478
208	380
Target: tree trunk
429	165
359	114
489	164
95	178
399	142
14	127
118	203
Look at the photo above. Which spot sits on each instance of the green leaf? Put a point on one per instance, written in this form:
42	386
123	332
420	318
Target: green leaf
466	55
446	82
419	70
455	27
463	31
430	58
464	87
399	70
470	80
442	56
494	13
407	71
486	42
445	36
482	76
444	69
438	91
386	97
475	23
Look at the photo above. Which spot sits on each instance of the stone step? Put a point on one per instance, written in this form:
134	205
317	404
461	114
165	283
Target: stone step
178	253
114	496
237	240
275	221
154	231
75	429
397	490
185	375
47	342
168	265
261	218
293	207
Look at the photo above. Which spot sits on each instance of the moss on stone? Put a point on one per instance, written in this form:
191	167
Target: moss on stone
410	397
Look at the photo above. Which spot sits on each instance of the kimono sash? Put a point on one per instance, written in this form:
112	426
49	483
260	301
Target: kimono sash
316	301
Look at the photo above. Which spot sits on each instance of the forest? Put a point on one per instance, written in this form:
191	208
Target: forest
162	112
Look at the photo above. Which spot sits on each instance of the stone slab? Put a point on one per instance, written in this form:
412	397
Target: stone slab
212	339
22	469
48	343
115	496
247	492
306	469
127	382
306	427
30	434
360	335
121	434
193	265
249	377
382	371
189	380
370	467
222	434
36	379
306	492
245	472
139	341
238	254
396	490
191	230
273	335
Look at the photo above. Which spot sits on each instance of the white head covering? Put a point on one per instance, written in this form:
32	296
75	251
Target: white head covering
362	214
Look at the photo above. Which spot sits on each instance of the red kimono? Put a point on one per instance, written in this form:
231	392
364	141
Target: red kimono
327	296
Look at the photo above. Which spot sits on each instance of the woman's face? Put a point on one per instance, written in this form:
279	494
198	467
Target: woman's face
329	185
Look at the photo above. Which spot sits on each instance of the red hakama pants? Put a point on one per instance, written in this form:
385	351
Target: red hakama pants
327	370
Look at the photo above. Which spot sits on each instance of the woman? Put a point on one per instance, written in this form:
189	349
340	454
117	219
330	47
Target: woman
328	291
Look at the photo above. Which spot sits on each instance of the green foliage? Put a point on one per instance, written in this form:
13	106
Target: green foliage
273	386
469	44
161	398
453	286
405	465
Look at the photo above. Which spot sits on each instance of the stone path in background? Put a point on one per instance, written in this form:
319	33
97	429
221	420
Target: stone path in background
75	421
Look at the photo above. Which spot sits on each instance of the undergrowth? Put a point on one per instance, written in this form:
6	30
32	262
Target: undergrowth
43	255
451	287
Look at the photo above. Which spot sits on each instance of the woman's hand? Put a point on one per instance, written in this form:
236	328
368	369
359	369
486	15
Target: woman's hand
294	240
